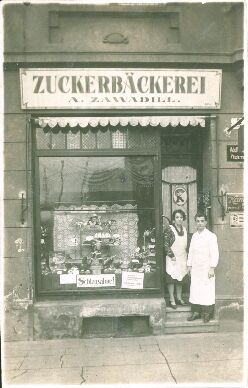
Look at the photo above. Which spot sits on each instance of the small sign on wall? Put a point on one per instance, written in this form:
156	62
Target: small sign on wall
234	154
237	220
234	202
180	195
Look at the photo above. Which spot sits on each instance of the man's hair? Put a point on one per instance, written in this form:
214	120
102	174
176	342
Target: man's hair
200	214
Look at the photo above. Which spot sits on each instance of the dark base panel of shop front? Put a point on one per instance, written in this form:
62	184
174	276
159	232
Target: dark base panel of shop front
86	318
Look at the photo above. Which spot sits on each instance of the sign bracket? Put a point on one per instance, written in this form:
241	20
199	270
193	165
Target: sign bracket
221	200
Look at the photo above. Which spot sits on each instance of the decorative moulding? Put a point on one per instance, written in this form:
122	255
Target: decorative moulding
115	38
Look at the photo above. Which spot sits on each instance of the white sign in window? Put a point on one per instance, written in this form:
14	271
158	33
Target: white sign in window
70	278
133	280
104	280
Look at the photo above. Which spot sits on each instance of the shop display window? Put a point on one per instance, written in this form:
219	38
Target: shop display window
96	222
96	139
75	139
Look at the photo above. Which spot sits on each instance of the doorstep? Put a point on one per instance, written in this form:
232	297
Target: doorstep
176	322
181	326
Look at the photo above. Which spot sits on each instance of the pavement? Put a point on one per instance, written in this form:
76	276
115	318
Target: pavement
166	360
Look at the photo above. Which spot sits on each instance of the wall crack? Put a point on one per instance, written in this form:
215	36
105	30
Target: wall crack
19	374
82	376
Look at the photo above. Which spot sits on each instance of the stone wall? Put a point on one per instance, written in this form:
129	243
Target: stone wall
53	320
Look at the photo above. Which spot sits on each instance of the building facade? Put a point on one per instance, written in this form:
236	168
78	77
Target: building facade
114	116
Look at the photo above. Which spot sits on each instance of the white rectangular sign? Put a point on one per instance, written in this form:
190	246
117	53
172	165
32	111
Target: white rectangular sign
120	88
132	280
237	220
69	278
104	280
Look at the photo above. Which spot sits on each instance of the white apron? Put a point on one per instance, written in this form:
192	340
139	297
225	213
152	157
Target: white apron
203	254
178	269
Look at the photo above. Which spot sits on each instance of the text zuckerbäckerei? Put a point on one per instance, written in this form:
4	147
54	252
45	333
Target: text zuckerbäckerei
92	84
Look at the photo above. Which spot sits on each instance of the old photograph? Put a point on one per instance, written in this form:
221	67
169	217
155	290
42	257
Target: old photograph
123	193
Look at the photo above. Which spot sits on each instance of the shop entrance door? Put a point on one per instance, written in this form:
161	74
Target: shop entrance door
181	176
179	191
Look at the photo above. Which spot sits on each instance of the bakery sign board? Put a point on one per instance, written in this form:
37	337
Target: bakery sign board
234	202
91	88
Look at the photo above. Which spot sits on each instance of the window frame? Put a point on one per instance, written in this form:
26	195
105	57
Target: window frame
113	152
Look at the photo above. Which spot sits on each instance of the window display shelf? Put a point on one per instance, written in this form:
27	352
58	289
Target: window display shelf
52	281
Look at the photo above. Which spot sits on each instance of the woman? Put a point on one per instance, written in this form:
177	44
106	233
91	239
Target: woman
176	267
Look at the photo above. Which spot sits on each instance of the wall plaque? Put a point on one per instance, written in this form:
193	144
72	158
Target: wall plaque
234	202
234	154
237	220
180	196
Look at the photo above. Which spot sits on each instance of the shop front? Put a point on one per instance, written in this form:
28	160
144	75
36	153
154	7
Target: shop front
98	198
105	150
102	183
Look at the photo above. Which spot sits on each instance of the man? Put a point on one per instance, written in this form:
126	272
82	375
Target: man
202	259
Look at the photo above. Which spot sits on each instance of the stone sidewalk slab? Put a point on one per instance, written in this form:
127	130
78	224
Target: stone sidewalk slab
10	353
168	359
149	348
44	376
42	362
128	374
13	363
144	358
45	351
215	372
113	356
76	361
203	349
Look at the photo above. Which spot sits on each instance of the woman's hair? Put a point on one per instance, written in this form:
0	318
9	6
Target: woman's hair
180	212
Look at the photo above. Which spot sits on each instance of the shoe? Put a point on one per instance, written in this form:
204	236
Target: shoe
206	318
172	305
194	316
181	302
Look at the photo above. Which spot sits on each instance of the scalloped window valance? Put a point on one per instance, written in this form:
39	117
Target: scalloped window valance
124	121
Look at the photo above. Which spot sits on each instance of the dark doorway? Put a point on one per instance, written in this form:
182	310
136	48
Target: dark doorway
181	164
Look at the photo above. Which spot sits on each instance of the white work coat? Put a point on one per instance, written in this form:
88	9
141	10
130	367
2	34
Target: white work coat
203	254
